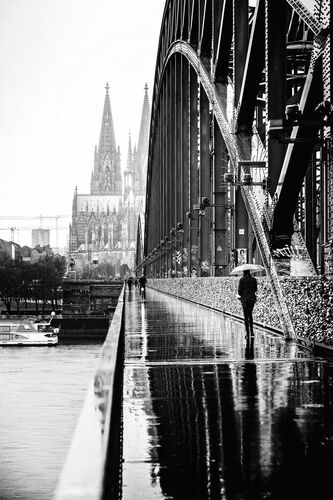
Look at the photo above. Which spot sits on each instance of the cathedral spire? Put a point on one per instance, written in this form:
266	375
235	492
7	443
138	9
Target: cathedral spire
106	177
74	205
144	128
129	172
141	153
107	140
129	165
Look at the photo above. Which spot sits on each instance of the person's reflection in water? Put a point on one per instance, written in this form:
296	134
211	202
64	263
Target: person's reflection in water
249	349
253	475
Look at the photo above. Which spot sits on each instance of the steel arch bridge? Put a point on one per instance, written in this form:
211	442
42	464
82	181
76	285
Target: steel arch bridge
240	141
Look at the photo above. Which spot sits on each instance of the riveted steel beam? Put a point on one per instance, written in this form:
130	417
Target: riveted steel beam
223	43
225	72
253	70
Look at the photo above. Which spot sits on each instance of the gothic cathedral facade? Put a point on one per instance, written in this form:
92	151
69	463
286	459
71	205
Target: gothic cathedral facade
104	222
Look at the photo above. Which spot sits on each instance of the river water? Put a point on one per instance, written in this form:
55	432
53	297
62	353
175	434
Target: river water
42	391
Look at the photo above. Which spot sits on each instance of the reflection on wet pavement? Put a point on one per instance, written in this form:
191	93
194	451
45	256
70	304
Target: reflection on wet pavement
211	414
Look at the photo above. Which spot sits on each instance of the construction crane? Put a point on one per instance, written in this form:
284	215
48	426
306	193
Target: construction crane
12	230
33	217
41	218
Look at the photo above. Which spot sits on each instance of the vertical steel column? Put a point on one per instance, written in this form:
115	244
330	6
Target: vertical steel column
153	220
163	208
221	244
194	174
275	82
179	161
217	19
323	200
159	166
173	161
159	187
205	184
329	257
310	212
169	162
329	150
326	201
240	20
150	268
329	247
184	72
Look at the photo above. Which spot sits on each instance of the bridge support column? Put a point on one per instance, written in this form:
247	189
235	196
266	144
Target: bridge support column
185	107
275	80
178	163
241	224
194	166
241	229
221	240
205	184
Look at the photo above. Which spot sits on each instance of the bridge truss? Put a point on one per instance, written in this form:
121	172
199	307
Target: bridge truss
240	154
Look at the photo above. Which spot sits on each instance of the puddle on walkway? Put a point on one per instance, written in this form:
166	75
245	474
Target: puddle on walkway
209	414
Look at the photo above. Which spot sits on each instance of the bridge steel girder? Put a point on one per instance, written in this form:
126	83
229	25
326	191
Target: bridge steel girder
296	160
249	76
223	71
205	184
222	242
222	41
194	223
185	164
275	83
178	162
172	178
241	28
205	44
235	147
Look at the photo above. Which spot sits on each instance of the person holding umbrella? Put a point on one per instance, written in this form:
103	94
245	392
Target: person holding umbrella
142	285
247	288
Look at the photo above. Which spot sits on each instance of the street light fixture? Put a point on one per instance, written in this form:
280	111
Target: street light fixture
247	181
278	128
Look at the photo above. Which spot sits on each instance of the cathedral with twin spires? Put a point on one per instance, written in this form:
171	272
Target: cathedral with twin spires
104	222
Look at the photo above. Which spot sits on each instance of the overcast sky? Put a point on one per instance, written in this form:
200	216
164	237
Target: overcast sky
55	59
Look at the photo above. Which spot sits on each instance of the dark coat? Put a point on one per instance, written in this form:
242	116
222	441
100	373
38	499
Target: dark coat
142	281
247	287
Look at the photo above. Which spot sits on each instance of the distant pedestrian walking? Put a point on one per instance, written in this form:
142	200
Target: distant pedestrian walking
130	283
247	288
142	285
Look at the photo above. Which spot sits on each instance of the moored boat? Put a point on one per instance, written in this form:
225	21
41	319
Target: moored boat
16	332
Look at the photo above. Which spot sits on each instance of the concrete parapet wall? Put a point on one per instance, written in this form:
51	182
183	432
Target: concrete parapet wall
92	467
310	301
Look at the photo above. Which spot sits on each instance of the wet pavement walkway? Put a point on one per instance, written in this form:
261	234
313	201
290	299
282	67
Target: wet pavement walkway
210	414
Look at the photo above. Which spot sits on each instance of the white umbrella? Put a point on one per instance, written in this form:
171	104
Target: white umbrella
253	268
